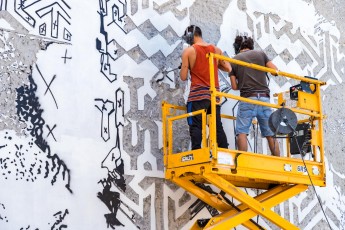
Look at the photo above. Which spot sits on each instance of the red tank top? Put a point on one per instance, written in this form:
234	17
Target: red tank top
200	74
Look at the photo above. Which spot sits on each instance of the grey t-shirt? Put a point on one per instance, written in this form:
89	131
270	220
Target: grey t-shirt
250	80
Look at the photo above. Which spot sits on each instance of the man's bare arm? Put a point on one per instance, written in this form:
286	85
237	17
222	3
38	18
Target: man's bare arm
222	65
184	65
272	66
233	82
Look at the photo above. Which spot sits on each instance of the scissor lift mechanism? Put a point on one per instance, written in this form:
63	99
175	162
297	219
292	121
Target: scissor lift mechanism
230	169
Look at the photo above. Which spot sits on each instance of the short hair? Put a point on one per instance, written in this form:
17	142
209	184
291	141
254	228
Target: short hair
243	42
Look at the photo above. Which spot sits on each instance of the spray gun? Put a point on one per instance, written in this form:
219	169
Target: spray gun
165	74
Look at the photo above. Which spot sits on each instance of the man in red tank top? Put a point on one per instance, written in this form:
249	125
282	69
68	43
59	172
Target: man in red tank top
194	60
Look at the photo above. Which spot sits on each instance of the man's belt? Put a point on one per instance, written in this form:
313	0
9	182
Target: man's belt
257	95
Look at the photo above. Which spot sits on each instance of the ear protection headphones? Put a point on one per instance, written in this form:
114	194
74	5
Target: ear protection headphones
238	47
244	39
189	35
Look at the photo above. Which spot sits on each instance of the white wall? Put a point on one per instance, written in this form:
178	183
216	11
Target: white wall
92	127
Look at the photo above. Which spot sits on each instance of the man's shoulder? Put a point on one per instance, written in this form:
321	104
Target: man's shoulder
211	47
206	45
259	51
189	50
255	51
251	53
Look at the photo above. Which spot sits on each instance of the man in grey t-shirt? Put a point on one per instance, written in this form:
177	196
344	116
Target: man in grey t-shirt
252	84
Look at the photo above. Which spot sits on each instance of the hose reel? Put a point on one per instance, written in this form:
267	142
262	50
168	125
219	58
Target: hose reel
282	121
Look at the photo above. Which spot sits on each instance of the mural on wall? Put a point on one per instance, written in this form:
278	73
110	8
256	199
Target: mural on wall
29	112
305	54
122	26
52	17
313	52
115	11
114	163
26	157
3	5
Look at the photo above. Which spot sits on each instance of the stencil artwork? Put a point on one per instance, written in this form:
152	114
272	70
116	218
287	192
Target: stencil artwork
113	162
48	18
3	216
3	5
119	20
106	108
48	85
25	109
315	61
101	115
29	111
111	13
316	54
65	57
26	157
143	101
59	220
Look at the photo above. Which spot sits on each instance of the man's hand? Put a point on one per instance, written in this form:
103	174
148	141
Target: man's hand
275	73
272	66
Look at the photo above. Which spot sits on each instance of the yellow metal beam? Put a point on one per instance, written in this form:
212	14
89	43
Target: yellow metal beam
189	158
270	198
215	201
212	121
265	69
270	168
245	99
254	205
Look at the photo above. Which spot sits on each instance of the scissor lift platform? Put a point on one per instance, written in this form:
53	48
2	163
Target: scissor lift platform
230	170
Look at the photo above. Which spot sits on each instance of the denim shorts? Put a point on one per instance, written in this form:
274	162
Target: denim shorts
247	111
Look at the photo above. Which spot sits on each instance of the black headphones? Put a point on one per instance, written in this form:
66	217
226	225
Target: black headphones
244	39
238	47
189	35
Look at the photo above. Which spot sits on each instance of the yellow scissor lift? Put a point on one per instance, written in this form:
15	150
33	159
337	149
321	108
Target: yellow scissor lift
231	169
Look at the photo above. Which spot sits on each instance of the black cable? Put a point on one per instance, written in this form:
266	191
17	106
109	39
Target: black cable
256	136
275	136
250	146
258	216
235	162
317	196
268	79
255	141
234	124
305	166
231	203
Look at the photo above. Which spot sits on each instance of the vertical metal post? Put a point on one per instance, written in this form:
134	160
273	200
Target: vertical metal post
170	137
165	143
204	130
213	132
320	133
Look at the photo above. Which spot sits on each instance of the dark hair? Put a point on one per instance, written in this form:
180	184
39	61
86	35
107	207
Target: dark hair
243	42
